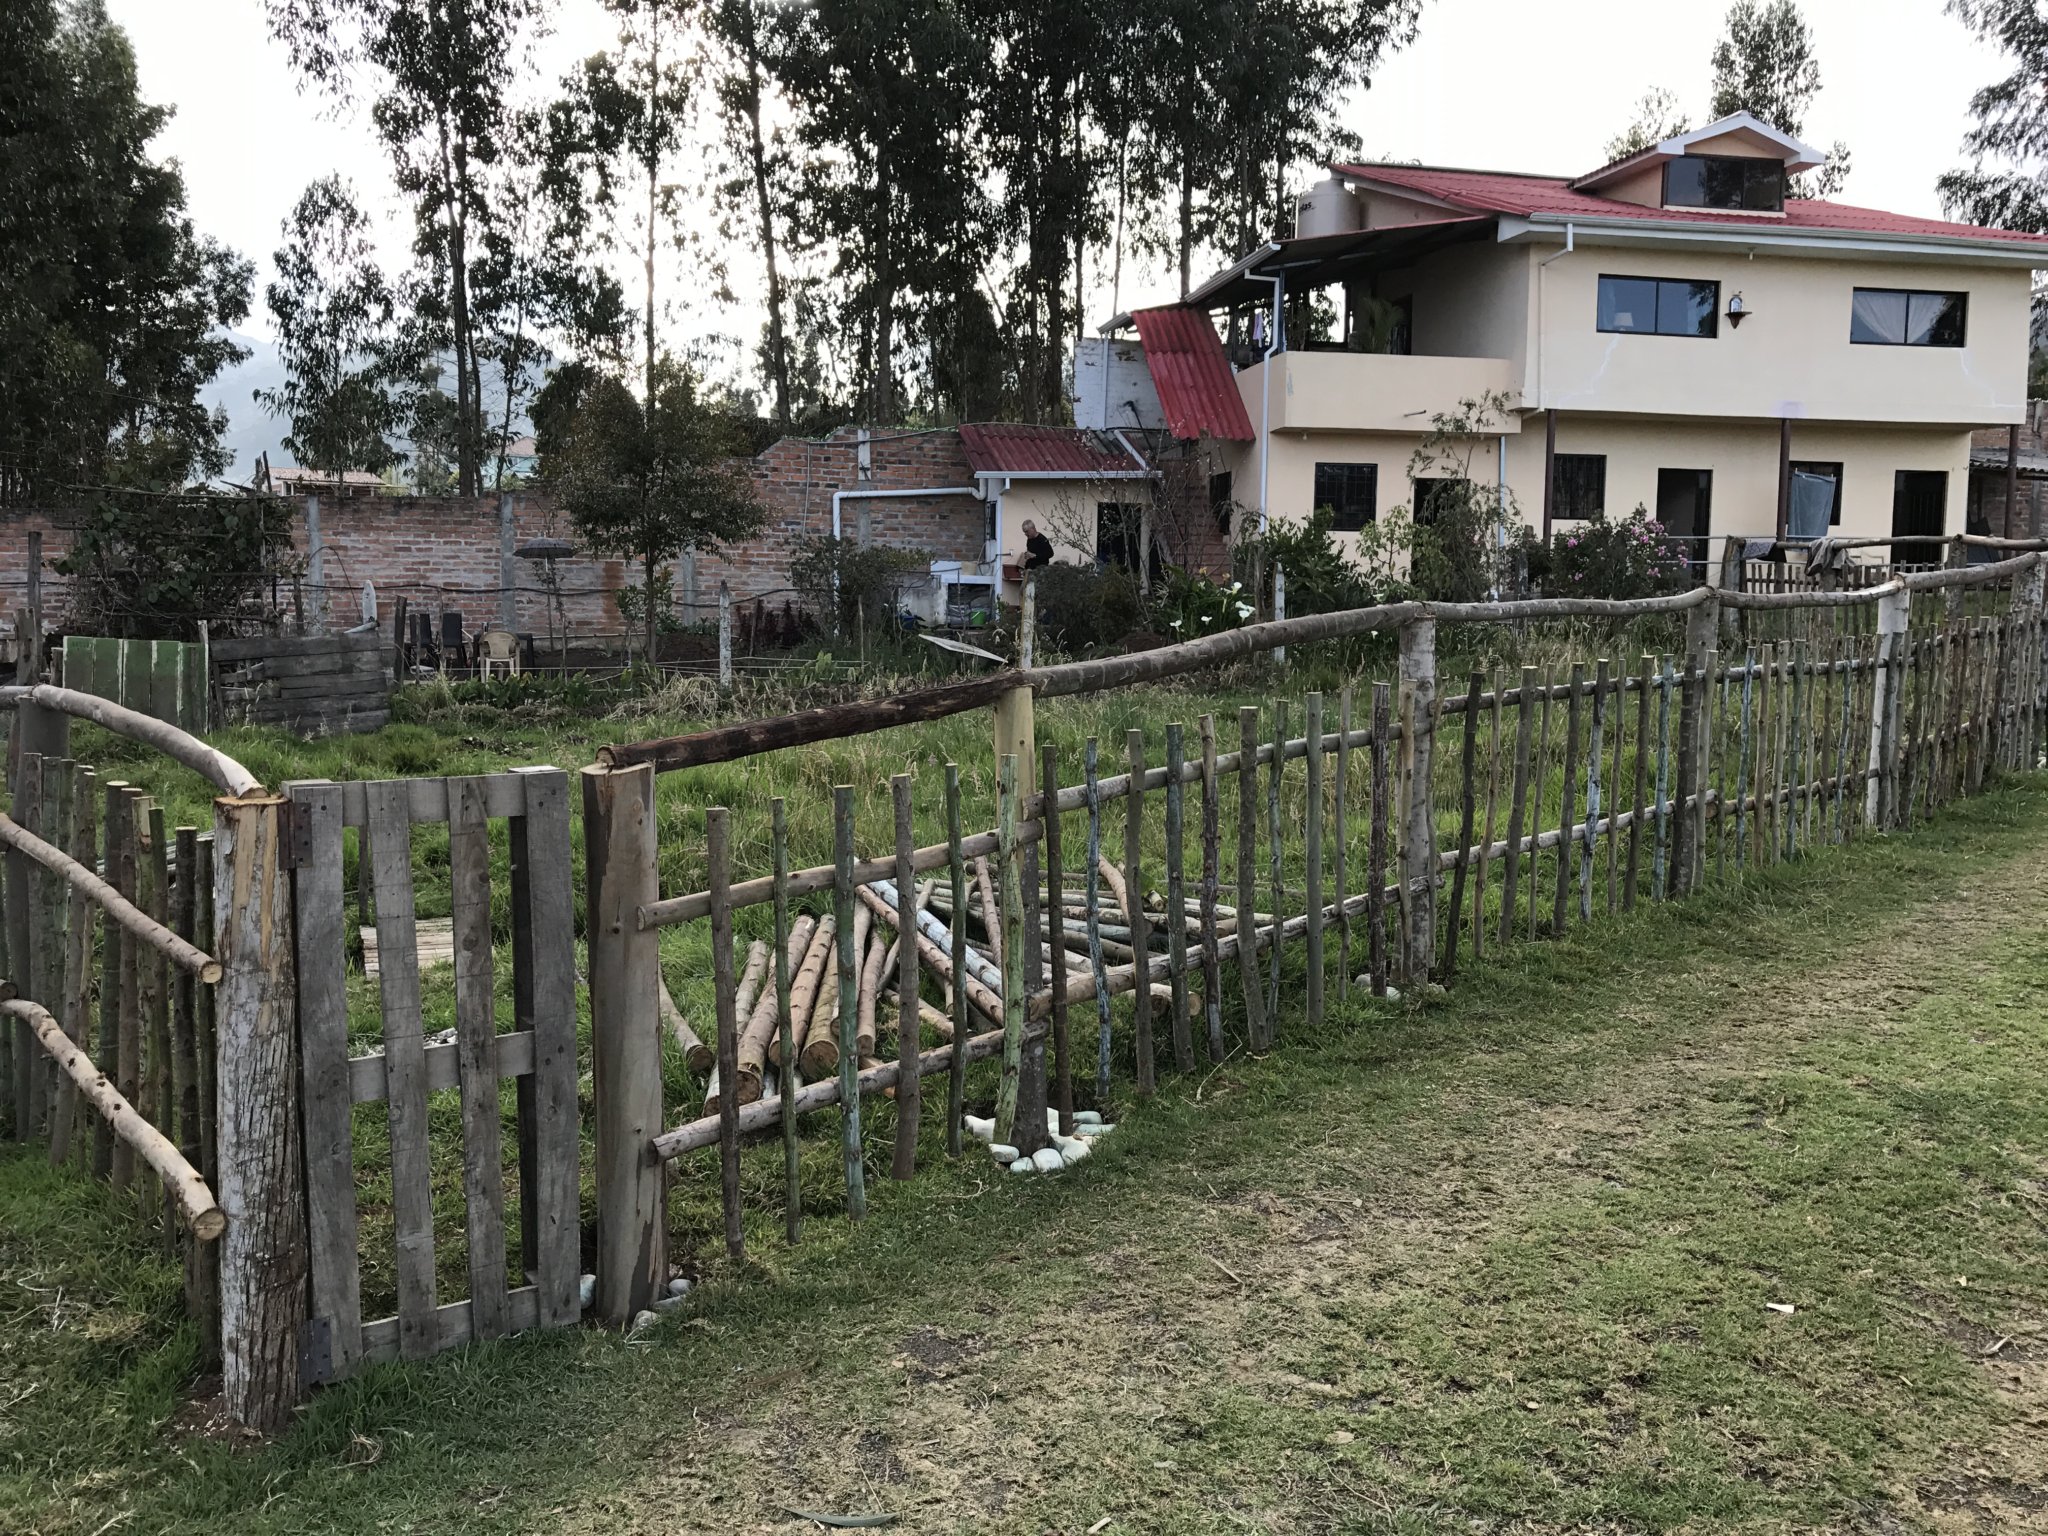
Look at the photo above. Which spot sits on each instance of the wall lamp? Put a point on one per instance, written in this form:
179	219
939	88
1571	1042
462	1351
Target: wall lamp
1737	311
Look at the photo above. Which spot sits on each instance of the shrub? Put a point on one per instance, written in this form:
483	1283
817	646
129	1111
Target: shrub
1321	578
1190	605
867	580
1627	558
1084	607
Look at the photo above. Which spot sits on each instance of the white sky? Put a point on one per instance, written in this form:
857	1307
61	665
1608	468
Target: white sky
1497	84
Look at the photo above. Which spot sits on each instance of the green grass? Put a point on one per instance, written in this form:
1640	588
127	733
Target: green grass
1499	1261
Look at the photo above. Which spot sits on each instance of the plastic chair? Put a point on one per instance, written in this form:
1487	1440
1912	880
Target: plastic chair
497	651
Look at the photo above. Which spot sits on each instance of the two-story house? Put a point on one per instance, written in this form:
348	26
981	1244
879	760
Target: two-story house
1676	330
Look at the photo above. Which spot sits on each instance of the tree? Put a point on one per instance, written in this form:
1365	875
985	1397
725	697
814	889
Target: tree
646	479
2012	123
1764	65
113	311
444	71
333	310
764	171
1657	118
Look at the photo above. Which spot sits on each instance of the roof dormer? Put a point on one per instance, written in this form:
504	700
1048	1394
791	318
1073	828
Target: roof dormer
1740	164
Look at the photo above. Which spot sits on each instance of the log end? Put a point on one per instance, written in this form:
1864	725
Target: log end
210	973
818	1059
209	1224
700	1060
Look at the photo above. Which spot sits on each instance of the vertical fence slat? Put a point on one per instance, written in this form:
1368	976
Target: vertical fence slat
25	944
324	1097
1247	875
786	1051
1539	780
1141	930
1276	771
1468	811
1376	850
1418	832
1518	802
1590	840
1568	805
541	835
1056	885
725	1012
1312	860
956	868
1176	899
1632	879
79	922
476	1054
1092	768
123	970
1340	840
908	1083
1212	965
388	806
849	971
1486	834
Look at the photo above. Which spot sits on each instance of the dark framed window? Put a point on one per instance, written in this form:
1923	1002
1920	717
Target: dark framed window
1919	510
1431	492
1724	181
1659	306
1578	485
1351	492
1221	499
1816	499
1905	317
1119	530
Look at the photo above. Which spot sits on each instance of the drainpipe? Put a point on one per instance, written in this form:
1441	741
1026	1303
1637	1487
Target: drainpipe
1275	344
1542	379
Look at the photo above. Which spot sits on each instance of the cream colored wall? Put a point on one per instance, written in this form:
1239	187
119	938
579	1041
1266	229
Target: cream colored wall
1739	144
1742	457
1744	461
1065	513
1645	186
1792	355
1367	391
1388	210
1469	300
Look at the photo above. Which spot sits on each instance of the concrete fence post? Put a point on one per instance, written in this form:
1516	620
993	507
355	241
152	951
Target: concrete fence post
725	637
1893	609
1418	831
625	1039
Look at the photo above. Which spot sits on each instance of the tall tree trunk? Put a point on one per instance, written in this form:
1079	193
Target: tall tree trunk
647	589
455	170
652	161
778	346
1187	219
884	389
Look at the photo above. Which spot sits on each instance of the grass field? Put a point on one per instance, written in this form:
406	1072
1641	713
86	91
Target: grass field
1503	1261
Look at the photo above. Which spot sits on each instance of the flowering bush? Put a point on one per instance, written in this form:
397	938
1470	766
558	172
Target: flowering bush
1191	605
1628	557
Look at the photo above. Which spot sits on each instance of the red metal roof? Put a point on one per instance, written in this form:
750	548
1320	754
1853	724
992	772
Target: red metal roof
1196	388
1006	448
1505	192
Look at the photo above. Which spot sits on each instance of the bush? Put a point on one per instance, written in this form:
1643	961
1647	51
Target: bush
867	579
1628	558
1190	606
1321	578
1083	607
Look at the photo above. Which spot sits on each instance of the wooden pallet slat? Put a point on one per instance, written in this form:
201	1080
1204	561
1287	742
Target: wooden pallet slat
326	1077
476	1028
412	1207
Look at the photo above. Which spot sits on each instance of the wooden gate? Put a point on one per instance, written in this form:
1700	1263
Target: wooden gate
538	1053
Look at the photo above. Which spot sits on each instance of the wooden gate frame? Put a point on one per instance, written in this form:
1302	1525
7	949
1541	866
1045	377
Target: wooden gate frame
540	1055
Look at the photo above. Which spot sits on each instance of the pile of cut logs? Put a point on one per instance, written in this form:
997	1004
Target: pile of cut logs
814	976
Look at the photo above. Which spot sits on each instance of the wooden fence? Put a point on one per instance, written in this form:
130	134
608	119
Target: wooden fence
1395	834
163	678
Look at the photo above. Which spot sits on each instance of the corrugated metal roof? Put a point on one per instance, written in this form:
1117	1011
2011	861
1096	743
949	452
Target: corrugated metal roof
1197	390
2032	465
1008	448
1508	192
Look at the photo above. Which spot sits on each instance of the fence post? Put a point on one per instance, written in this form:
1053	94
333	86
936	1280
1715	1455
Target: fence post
1027	623
1279	610
260	1188
725	637
625	1038
1893	609
1703	647
1418	835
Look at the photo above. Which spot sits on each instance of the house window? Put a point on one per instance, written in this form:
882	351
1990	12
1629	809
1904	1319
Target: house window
1432	493
1578	485
1659	306
1900	317
1724	181
1815	500
1351	492
1119	532
1919	510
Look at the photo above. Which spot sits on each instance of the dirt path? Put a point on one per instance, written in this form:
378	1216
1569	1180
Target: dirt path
1523	1280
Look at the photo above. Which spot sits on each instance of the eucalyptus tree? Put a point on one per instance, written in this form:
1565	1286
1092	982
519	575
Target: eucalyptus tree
440	75
2006	183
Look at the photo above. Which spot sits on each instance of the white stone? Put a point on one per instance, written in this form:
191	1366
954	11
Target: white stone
642	1321
1073	1152
1092	1131
679	1286
1087	1117
1003	1154
586	1291
1047	1160
667	1303
1022	1165
981	1130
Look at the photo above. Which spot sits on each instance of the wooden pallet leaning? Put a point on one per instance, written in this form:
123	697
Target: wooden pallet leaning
539	1055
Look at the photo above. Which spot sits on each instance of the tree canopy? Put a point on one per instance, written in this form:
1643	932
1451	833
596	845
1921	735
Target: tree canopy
112	307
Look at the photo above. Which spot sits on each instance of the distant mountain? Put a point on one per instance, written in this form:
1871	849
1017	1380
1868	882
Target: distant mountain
251	429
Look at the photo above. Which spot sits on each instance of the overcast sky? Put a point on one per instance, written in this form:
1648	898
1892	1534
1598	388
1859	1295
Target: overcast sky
1500	84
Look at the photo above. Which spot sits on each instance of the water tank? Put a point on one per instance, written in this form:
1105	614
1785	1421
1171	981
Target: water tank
1327	208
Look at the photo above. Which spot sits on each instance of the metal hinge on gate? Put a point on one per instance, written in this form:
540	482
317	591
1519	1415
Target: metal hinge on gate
294	835
316	1351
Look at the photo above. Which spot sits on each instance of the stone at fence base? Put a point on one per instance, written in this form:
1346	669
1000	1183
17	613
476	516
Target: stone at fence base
1047	1160
1022	1165
1003	1154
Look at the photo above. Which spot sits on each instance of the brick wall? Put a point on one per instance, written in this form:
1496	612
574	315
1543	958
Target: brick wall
1987	509
455	553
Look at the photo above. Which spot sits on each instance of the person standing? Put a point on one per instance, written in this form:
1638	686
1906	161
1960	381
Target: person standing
1037	547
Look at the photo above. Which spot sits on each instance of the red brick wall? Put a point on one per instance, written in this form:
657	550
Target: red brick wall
452	553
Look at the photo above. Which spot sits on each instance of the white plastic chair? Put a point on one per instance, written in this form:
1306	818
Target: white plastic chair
497	651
